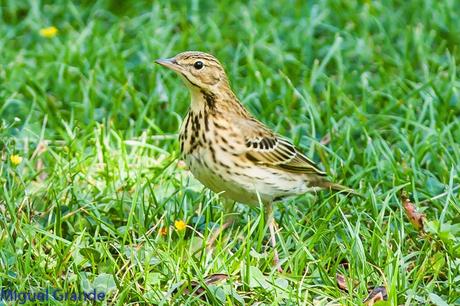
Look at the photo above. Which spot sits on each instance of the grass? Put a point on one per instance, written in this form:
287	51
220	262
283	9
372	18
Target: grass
94	201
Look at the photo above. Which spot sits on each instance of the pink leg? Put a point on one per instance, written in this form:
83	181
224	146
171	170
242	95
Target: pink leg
272	228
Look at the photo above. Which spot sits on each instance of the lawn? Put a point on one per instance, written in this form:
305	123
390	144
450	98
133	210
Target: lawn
94	195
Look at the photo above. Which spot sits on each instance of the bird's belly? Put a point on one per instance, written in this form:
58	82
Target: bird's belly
244	185
216	180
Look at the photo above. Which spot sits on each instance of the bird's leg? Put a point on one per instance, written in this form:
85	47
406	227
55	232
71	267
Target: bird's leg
272	228
228	221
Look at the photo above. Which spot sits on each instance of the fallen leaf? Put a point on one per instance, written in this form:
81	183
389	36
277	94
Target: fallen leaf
163	231
196	289
326	139
214	278
344	263
377	294
341	282
416	219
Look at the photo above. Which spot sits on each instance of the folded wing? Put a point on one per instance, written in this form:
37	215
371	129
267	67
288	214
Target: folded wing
266	148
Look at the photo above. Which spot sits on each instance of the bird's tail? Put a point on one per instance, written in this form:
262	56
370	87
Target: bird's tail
340	188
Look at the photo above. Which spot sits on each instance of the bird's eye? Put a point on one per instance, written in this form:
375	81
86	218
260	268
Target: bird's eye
198	65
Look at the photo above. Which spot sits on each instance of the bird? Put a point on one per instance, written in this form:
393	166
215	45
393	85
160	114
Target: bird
231	152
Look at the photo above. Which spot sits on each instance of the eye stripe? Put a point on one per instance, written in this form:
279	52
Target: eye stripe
202	57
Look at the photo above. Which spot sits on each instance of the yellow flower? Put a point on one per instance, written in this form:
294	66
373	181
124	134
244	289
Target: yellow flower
48	32
15	159
180	225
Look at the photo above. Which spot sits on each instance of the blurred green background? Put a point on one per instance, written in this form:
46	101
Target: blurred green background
100	65
95	123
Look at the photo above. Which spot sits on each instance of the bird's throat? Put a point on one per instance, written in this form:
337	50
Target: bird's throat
198	100
202	99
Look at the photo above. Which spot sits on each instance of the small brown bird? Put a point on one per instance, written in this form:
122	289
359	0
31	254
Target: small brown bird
231	152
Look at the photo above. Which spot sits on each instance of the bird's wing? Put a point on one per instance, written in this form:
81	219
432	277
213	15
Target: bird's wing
266	148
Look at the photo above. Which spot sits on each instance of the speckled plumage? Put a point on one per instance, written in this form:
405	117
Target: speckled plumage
238	157
230	151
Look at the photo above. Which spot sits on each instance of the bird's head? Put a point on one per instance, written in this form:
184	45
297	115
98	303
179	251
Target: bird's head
199	70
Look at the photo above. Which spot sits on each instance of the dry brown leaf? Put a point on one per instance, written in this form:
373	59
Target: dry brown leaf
377	294
417	219
214	278
195	288
341	282
326	139
198	290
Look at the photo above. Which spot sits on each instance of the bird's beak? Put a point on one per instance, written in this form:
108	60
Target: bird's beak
169	63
